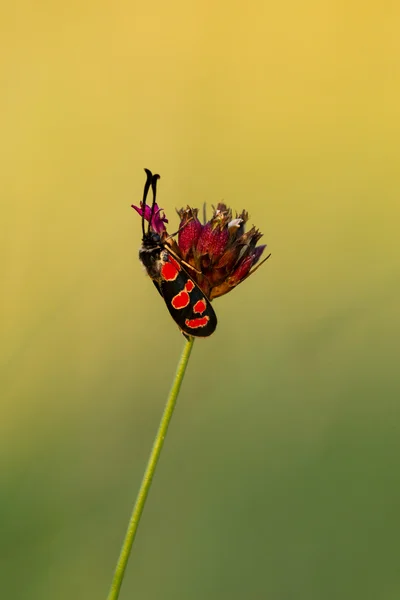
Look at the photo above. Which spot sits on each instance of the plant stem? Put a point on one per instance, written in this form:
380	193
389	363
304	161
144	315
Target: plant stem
149	473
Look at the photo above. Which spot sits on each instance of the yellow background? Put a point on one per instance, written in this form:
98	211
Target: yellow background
280	475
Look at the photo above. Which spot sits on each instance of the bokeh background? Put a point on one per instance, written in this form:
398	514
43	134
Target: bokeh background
280	475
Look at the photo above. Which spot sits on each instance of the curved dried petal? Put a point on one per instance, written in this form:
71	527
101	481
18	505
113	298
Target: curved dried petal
256	254
241	270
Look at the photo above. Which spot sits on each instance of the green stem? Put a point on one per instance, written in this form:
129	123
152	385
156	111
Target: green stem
149	472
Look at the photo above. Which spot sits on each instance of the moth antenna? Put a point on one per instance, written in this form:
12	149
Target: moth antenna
154	188
145	192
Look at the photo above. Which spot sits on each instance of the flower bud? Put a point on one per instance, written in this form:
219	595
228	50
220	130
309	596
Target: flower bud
190	229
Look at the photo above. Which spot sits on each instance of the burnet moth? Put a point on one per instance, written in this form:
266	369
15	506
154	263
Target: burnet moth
187	304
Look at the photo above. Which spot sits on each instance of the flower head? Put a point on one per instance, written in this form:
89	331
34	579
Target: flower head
219	254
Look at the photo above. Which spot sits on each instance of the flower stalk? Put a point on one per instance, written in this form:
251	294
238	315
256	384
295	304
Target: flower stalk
149	473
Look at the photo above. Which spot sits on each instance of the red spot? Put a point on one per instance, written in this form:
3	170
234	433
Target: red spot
180	300
200	307
196	323
169	272
174	262
189	286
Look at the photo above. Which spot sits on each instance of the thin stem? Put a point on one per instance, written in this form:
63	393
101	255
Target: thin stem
149	472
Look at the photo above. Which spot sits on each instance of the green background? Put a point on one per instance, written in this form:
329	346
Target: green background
280	475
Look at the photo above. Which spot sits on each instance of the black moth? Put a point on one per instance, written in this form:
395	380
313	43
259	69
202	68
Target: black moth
187	304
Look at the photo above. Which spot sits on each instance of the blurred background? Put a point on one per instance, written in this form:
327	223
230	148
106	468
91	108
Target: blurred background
280	474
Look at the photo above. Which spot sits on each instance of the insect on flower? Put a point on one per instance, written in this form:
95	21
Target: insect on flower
207	261
188	305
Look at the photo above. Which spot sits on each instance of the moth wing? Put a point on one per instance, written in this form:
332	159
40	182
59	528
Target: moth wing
187	304
157	285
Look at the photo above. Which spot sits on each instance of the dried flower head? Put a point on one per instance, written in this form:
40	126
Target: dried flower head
218	254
